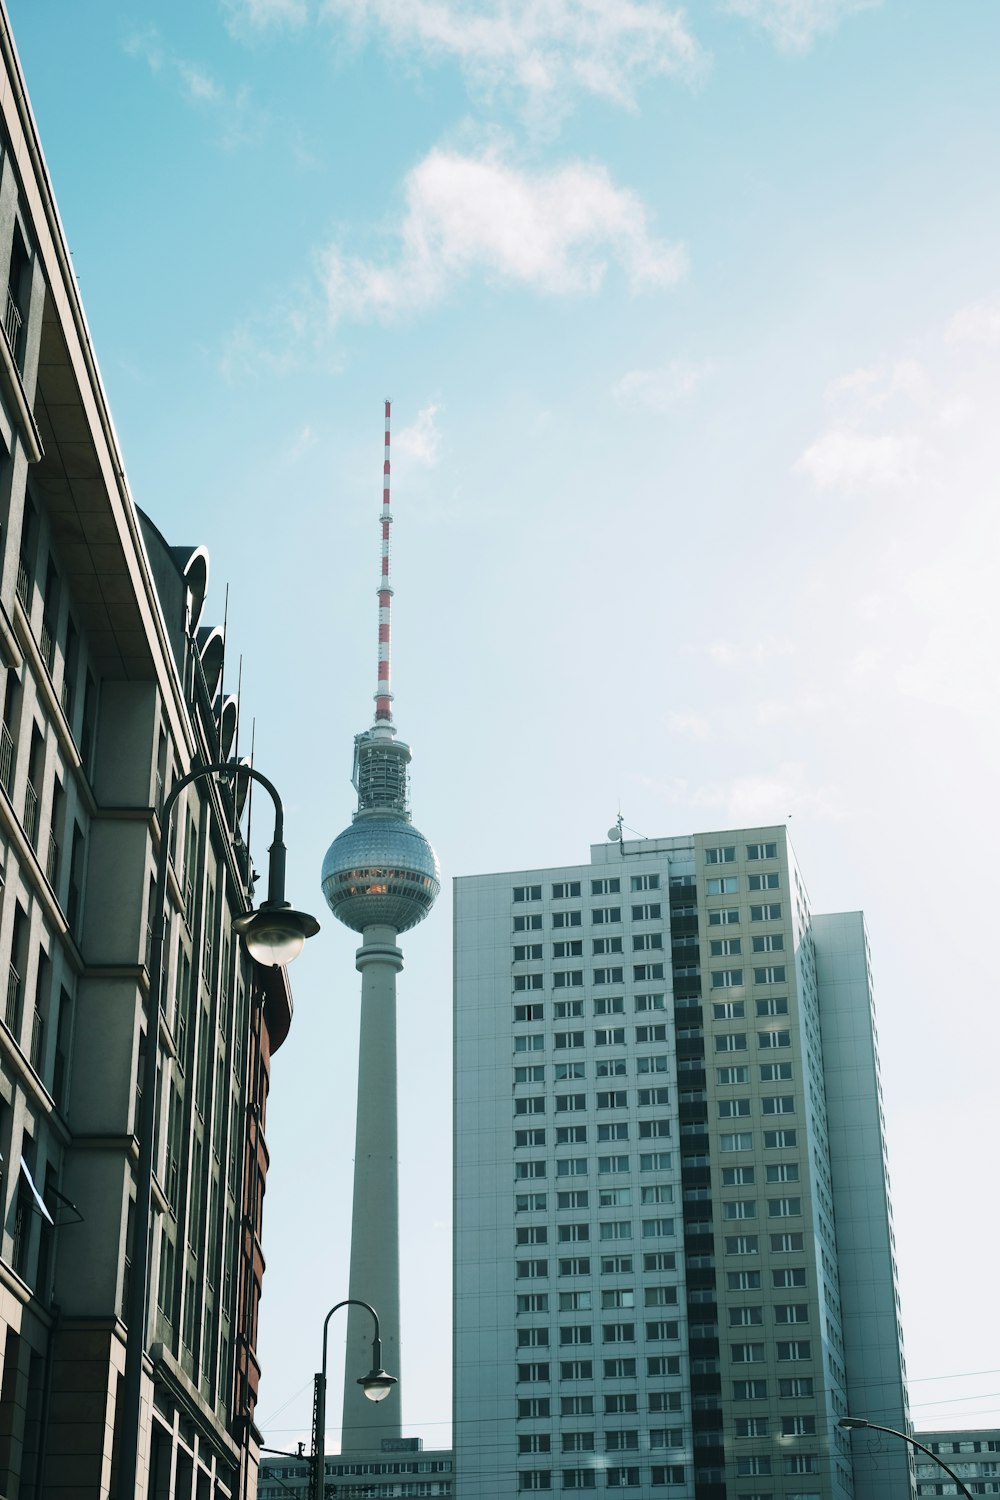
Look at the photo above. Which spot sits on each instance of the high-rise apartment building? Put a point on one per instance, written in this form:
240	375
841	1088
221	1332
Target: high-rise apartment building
674	1259
112	690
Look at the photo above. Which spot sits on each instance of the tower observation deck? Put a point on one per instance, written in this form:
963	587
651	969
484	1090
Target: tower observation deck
380	878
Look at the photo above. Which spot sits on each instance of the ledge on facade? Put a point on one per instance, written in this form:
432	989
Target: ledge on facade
10	378
167	1371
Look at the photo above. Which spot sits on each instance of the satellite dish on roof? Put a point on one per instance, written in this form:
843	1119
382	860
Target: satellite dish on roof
614	834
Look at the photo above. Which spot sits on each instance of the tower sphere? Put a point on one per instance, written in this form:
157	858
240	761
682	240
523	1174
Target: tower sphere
380	872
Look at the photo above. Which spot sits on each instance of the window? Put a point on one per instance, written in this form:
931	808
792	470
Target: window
764	882
724	885
783	1243
725	979
749	1390
794	1349
773	1039
565	890
742	1244
562	1040
529	1137
564	979
616	1131
579	1479
568	948
659	1260
528	1012
527	893
663	1364
647	911
574	1301
609	1164
533	1302
565	1010
615	975
609	1036
526	1269
666	1437
612	1098
607	945
724	917
618	1333
532	1234
731	1176
618	1297
616	1265
645	942
566	1234
776	1139
528	1203
657	1063
746	1354
619	1369
652	1129
728	1010
567	919
611	1067
734	1041
798	1426
770	912
732	1075
576	1333
655	1229
656	1033
531	922
644	883
609	1005
791	1390
527	981
771	942
660	1296
535	1074
792	1312
616	1229
568	1135
784	1208
576	1369
525	1170
641	973
572	1166
574	1198
740	1208
602	915
662	1331
569	1070
607	886
789	1276
569	1102
532	1406
660	1401
799	1463
576	1406
534	1479
578	1442
534	1442
743	1281
532	1338
775	1072
614	1197
531	1104
724	854
777	1104
523	951
528	1043
731	1108
661	1192
746	1317
618	1478
621	1403
720	947
775	1005
646	1003
740	1142
773	974
576	1265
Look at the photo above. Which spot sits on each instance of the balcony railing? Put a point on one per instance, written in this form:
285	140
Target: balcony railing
23	583
52	860
31	815
13	1006
37	1040
6	759
12	322
47	645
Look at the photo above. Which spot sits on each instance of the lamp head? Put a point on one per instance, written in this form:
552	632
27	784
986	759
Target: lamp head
377	1384
852	1423
274	934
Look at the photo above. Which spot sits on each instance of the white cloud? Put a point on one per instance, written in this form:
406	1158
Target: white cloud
554	232
421	441
543	48
756	653
977	324
688	721
795	24
303	440
848	460
660	388
259	15
238	119
768	798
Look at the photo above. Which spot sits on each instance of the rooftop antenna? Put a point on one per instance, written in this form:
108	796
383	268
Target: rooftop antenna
383	692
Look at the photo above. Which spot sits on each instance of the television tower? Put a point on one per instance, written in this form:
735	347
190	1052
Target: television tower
380	878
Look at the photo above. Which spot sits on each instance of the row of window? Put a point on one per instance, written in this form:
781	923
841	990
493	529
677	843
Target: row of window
656	1331
603	1037
615	1477
539	1372
610	1265
791	1242
649	1161
572	1198
725	854
611	1229
604	1067
571	979
616	1440
567	890
609	1005
728	885
535	1104
617	1404
611	1297
726	979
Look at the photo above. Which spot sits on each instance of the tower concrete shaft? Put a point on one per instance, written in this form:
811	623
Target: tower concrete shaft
374	1276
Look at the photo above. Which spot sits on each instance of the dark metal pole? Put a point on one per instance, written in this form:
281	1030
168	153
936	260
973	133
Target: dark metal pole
320	1456
138	1298
860	1424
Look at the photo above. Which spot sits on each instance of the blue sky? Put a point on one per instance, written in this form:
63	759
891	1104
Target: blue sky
691	321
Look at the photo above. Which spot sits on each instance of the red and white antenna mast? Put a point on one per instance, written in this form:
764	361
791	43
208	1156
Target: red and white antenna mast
383	695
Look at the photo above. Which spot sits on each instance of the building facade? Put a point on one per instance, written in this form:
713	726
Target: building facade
398	1469
674	1262
112	690
972	1453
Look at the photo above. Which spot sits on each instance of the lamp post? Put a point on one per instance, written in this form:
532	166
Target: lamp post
376	1385
274	934
860	1424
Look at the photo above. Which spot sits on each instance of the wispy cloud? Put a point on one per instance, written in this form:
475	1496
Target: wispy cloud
232	110
768	797
660	388
795	24
421	441
753	653
852	461
555	232
262	15
687	721
542	49
977	324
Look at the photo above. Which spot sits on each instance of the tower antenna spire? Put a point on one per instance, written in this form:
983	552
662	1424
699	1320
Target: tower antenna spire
383	693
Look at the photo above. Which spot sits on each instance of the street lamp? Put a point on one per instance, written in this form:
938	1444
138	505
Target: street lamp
376	1385
274	934
859	1424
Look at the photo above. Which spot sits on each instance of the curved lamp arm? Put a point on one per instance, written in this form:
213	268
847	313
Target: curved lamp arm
376	1385
860	1424
273	934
